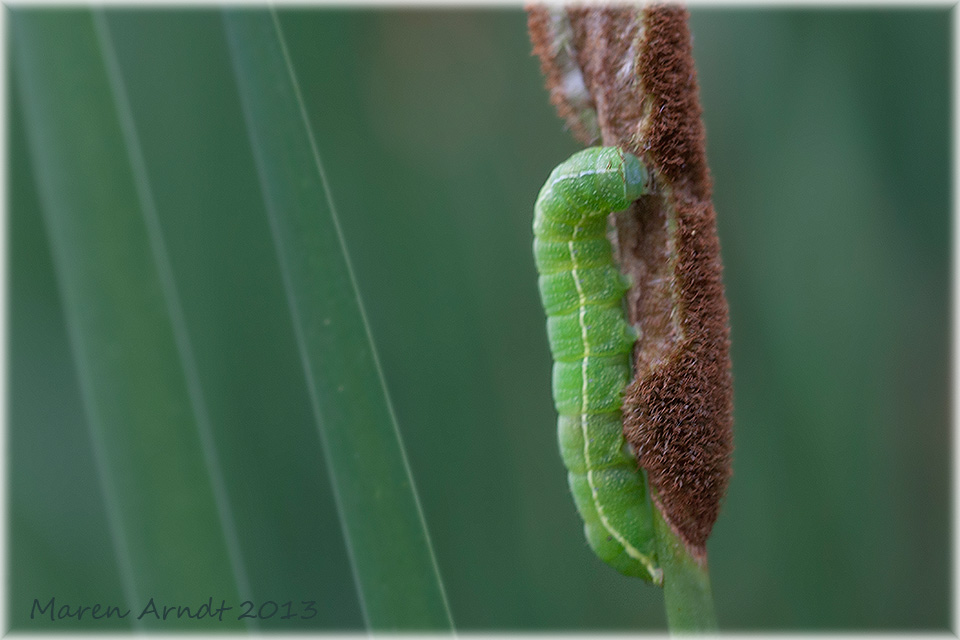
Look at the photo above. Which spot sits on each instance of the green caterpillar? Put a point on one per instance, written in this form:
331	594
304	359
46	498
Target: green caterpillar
582	292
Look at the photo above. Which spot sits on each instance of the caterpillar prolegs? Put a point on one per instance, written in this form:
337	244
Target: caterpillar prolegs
582	292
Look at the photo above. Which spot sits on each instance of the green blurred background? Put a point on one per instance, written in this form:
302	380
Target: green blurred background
828	139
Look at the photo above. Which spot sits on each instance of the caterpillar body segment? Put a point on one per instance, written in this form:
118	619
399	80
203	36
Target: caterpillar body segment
582	292
610	493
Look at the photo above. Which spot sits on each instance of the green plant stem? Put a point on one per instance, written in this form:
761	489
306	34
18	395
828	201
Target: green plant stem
686	583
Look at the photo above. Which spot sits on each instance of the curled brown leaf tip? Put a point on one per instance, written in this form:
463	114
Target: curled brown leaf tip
553	42
678	412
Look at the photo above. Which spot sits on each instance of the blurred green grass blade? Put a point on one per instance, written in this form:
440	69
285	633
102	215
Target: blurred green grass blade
178	320
390	550
163	511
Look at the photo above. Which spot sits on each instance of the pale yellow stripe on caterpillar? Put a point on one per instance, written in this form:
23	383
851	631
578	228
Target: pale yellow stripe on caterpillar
655	571
619	537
